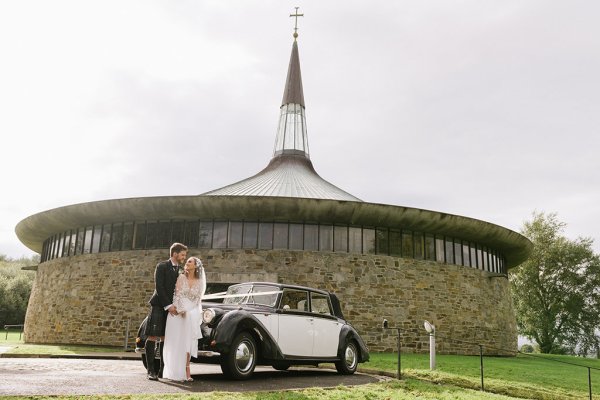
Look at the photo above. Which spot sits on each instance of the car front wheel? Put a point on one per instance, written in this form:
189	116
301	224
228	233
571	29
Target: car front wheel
239	363
349	362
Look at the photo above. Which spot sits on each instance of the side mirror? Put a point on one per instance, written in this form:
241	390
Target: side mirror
385	323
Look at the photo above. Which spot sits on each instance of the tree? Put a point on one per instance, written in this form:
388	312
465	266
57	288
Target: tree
15	288
556	290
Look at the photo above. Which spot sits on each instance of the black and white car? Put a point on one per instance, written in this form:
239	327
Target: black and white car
260	323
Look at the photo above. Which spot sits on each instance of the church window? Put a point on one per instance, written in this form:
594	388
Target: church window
280	236
201	232
368	241
325	237
407	244
395	243
311	237
340	238
265	235
354	240
235	235
296	240
250	235
220	235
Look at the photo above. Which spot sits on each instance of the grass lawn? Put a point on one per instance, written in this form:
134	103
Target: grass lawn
10	336
536	377
456	377
16	346
409	389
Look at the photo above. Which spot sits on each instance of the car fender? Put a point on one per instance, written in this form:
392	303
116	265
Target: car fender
349	333
141	335
240	320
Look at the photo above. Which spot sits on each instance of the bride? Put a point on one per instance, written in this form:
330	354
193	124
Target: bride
183	329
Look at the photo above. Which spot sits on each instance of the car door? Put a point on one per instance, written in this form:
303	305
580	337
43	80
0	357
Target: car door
325	326
295	325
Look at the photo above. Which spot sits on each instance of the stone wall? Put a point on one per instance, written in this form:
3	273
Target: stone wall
89	299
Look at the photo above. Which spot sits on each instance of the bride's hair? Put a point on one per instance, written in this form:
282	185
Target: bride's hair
198	263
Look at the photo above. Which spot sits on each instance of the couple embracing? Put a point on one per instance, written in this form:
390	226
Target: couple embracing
175	315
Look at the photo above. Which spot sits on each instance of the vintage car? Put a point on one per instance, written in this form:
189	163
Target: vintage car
279	325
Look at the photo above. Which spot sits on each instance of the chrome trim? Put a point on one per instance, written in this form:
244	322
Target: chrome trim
208	353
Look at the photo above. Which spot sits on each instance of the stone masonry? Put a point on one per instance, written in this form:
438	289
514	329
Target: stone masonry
91	299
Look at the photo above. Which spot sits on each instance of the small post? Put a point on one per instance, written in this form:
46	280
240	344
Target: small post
481	365
386	326
399	364
126	335
590	381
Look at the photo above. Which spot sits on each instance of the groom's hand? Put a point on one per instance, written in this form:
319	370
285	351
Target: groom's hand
173	310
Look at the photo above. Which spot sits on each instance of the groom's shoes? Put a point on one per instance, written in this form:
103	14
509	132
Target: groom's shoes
150	349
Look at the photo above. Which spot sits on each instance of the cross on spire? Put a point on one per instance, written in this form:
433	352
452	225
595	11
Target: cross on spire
296	15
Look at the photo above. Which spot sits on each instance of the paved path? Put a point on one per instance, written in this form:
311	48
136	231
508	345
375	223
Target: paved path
58	376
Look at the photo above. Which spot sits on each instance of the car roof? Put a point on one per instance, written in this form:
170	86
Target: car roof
335	302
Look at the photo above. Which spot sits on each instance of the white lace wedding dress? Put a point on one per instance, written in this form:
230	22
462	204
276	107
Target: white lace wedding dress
183	330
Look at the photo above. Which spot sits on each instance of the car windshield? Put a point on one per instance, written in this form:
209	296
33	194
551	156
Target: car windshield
252	294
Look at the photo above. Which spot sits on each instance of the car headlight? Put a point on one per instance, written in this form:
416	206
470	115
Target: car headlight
208	315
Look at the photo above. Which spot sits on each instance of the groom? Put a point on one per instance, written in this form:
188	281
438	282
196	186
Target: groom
165	278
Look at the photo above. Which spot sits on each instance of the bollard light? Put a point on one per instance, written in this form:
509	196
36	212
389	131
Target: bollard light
431	330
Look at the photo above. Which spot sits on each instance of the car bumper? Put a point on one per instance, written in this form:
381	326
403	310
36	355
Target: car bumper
207	353
201	353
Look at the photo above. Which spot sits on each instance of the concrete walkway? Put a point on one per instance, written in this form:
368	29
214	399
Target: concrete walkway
46	376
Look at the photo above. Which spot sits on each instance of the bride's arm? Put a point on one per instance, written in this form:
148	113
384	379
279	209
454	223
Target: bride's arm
202	282
177	296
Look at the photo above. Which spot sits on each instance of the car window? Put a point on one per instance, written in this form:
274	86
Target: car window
249	294
268	299
239	291
319	304
294	300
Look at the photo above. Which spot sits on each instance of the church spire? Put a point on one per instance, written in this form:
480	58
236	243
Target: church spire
293	93
290	173
291	132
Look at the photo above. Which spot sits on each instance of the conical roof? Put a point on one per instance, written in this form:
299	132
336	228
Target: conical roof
290	172
293	93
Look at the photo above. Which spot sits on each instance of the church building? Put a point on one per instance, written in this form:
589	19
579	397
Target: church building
284	224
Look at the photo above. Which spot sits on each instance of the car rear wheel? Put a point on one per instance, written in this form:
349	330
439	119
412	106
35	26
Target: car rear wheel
240	362
349	362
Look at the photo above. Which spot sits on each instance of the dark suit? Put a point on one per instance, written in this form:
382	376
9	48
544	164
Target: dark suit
165	278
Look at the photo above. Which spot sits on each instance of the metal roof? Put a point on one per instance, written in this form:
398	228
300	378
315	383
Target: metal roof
33	230
290	172
286	176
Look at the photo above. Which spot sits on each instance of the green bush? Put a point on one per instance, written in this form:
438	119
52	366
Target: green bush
527	348
15	288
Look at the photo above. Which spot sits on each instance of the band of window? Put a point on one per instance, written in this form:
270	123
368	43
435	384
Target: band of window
264	235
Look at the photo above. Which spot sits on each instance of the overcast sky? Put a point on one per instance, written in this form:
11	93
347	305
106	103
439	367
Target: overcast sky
487	109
